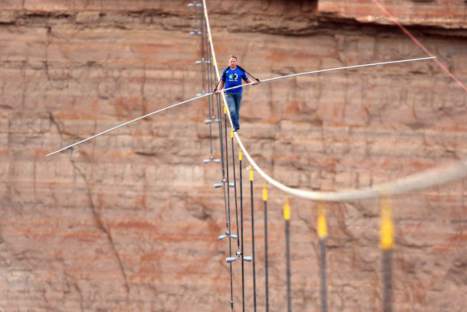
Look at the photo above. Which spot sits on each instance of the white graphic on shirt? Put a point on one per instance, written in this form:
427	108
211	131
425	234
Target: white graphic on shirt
233	77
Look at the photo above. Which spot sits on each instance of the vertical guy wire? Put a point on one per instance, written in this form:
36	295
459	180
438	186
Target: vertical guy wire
206	64
240	158
221	145
212	76
286	214
322	229
387	275
203	51
206	82
266	260
207	59
235	187
229	227
226	194
253	237
223	166
387	246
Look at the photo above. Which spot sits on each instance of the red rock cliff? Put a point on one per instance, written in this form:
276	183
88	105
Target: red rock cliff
129	222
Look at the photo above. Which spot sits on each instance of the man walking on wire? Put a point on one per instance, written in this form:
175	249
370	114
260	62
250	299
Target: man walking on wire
232	77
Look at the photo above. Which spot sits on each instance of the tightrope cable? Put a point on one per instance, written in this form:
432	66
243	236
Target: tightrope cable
227	89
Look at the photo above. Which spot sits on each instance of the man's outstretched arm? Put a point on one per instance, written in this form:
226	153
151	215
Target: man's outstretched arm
248	74
255	80
219	86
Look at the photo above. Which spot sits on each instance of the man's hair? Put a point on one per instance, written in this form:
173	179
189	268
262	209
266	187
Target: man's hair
233	56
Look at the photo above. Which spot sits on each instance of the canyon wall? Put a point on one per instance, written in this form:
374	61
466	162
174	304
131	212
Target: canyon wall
129	221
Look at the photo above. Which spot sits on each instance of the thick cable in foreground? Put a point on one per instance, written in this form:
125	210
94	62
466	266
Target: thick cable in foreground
414	182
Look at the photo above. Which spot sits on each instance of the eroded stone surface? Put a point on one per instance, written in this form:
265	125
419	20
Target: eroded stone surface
129	222
445	14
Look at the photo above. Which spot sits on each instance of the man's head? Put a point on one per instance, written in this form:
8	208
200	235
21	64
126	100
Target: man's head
233	61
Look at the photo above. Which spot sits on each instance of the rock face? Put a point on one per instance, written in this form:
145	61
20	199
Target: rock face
444	14
129	221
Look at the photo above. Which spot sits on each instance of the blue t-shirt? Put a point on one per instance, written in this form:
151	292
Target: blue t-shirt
232	78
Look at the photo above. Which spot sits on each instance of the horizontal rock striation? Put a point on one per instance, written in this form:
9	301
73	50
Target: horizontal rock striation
129	221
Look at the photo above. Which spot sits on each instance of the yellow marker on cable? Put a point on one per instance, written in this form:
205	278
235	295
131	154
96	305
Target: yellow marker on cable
251	174
231	133
225	109
387	226
240	155
265	193
321	225
286	211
